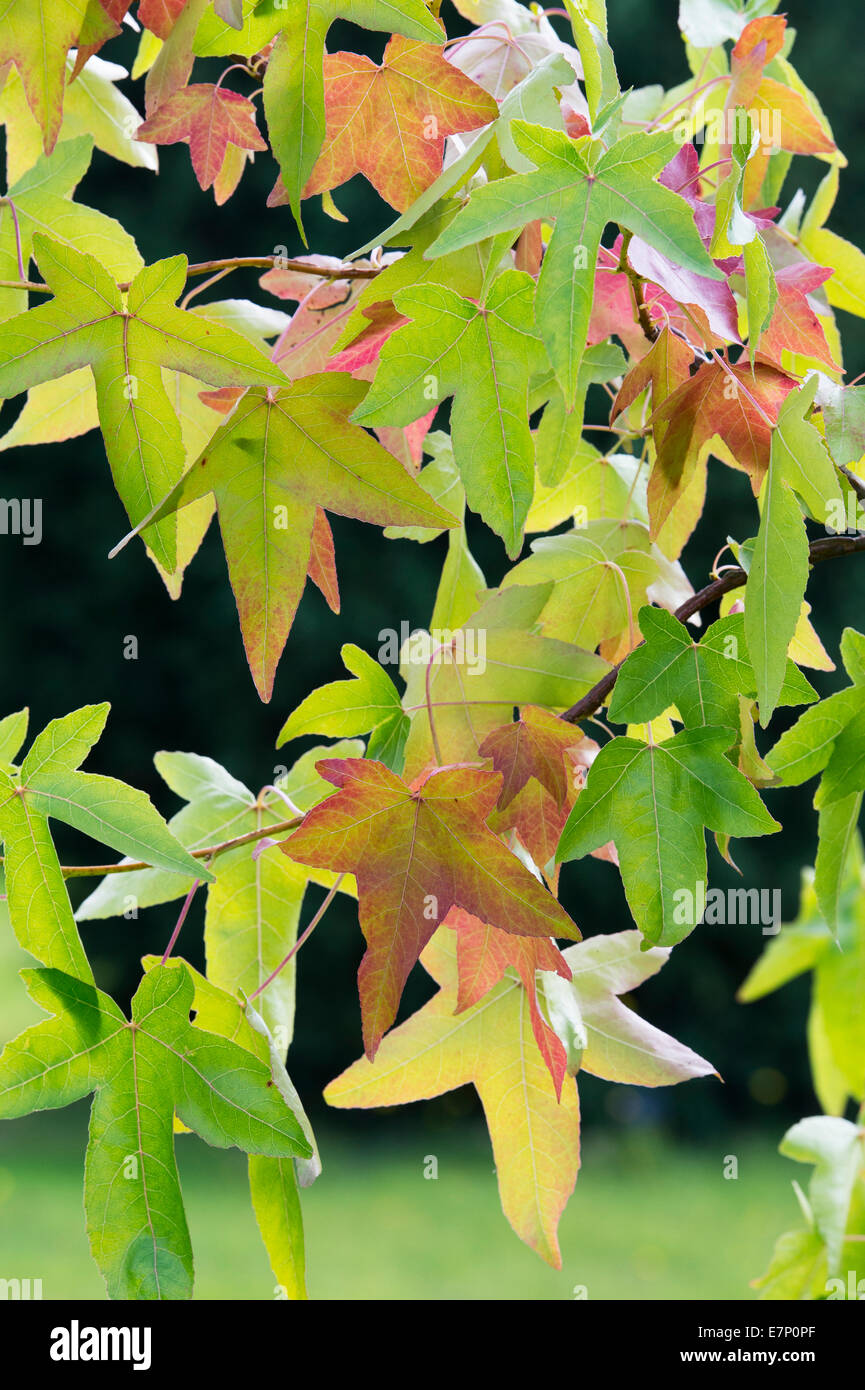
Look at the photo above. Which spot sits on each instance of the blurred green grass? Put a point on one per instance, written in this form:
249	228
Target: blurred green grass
649	1220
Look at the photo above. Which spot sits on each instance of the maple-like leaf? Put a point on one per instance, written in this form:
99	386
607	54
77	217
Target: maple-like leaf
368	704
208	119
279	458
294	101
544	763
35	36
535	1137
599	573
829	738
702	679
583	193
125	341
535	745
389	122
416	852
46	786
255	900
794	326
653	801
737	404
142	1070
483	355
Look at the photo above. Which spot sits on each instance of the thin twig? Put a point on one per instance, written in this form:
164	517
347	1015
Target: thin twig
340	272
100	870
304	936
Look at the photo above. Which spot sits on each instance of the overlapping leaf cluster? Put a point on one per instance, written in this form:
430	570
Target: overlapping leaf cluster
558	244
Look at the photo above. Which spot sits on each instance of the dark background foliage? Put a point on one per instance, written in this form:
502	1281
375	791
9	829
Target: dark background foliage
67	610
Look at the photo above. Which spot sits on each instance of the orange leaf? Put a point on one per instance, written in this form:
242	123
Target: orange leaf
209	119
418	851
390	122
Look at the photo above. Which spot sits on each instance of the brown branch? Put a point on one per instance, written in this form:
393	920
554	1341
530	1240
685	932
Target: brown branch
100	870
828	548
643	317
342	272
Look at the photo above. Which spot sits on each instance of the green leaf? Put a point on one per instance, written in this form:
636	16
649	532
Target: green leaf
599	68
834	949
48	785
777	578
761	291
797	1270
484	357
142	1071
653	802
276	1203
279	457
829	738
125	344
43	204
582	196
586	567
368	704
702	679
836	1147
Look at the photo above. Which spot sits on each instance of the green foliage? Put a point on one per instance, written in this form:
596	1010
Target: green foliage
554	240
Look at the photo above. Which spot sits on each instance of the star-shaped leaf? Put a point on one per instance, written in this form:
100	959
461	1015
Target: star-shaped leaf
142	1070
36	35
732	402
583	192
294	82
653	801
483	355
702	679
209	119
46	786
126	340
389	122
368	704
280	456
535	1137
417	851
829	738
535	745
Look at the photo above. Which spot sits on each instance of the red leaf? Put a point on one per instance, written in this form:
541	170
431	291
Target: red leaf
160	16
794	326
710	402
535	745
416	853
322	561
209	119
